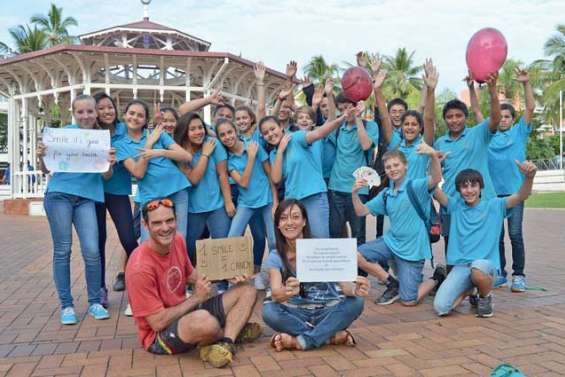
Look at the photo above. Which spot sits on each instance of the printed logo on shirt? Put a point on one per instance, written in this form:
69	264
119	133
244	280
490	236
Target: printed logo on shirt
174	280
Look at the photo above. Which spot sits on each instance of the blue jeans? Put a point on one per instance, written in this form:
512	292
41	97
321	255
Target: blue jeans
312	327
64	210
457	282
242	218
257	227
218	223
180	198
342	211
119	207
409	273
515	216
318	211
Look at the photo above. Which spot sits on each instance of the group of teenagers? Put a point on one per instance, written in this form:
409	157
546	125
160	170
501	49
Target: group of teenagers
287	176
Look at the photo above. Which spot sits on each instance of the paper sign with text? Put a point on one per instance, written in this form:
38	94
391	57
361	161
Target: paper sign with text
73	150
224	258
326	260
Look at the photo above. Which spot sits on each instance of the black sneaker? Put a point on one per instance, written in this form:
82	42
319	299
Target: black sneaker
120	282
484	308
440	273
390	295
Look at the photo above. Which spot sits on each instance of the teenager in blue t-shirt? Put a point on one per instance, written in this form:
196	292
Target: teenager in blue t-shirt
509	144
474	236
70	200
407	241
306	315
116	197
150	157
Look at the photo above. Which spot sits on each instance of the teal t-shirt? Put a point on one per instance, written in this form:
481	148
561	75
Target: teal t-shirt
504	148
408	235
85	185
120	183
468	151
258	192
418	164
349	155
475	231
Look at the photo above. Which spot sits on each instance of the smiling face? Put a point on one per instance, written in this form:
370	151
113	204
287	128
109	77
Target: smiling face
471	192
411	128
284	112
272	132
395	112
291	223
506	120
196	132
242	121
227	135
169	122
455	119
84	111
105	111
135	117
303	121
223	113
395	169
161	225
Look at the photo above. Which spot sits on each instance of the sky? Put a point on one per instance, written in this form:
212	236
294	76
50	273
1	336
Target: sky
277	31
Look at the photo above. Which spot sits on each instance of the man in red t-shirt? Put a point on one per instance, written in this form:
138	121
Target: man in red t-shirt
167	321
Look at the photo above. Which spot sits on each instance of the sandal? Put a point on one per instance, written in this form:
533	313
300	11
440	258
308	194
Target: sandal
348	340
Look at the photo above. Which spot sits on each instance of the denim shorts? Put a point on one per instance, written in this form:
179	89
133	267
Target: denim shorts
409	273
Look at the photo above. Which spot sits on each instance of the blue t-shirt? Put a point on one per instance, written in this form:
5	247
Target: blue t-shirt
417	163
120	183
468	151
85	185
408	235
475	231
328	156
258	192
162	177
314	293
207	196
301	168
255	136
505	147
350	155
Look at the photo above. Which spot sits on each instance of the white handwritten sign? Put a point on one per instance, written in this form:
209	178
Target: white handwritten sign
224	258
74	150
326	260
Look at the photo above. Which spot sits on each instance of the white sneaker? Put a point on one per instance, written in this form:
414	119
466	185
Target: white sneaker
128	312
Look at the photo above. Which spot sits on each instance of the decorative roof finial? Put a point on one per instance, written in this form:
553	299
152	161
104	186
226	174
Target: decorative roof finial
146	8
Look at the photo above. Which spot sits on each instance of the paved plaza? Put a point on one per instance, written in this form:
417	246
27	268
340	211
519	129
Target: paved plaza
528	330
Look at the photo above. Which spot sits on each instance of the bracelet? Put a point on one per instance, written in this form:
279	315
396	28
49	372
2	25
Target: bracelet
205	155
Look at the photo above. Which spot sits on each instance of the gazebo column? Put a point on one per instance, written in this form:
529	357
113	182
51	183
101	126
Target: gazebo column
13	140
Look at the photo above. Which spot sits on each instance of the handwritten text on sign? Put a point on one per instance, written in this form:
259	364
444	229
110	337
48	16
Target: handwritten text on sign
224	258
74	150
326	260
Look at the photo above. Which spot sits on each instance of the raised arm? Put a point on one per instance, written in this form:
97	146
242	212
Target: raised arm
138	167
431	77
386	124
329	92
495	115
277	166
435	166
441	197
360	208
362	134
475	107
260	84
243	179
529	170
522	76
195	174
214	99
325	129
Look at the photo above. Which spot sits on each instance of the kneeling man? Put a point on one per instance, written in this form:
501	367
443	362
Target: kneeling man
167	321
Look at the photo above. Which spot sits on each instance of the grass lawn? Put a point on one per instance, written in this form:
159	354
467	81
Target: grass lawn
546	200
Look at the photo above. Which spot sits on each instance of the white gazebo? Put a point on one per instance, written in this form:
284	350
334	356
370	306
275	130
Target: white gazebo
143	60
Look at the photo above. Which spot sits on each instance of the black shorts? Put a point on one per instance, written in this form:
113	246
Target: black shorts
168	341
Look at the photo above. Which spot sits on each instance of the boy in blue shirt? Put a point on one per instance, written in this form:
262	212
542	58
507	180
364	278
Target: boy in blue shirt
509	144
474	237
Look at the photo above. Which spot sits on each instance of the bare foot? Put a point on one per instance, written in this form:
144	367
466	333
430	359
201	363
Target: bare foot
282	341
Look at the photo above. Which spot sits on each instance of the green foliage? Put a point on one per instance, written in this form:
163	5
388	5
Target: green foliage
546	200
27	39
54	25
441	99
318	70
539	149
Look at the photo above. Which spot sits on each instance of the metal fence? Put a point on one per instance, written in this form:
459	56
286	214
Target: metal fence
551	164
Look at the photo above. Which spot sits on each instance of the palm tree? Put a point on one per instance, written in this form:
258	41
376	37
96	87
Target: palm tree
55	26
318	70
27	39
403	76
4	49
506	82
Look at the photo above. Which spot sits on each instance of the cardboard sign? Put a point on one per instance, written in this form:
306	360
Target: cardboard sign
74	150
326	260
224	258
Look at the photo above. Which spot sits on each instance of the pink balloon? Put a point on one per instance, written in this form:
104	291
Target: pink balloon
357	84
486	53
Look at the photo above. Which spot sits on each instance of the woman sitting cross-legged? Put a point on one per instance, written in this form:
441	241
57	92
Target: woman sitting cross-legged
306	315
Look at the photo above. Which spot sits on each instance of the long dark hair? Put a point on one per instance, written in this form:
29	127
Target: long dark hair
99	97
181	132
281	243
142	104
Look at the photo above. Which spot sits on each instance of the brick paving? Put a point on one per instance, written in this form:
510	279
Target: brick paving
528	330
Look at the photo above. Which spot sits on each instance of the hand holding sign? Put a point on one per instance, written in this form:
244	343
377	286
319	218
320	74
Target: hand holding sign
225	258
326	260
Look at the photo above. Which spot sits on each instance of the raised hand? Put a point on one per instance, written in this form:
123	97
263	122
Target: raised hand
216	97
491	82
359	109
158	115
424	148
359	184
362	60
469	80
329	87
154	135
306	82
431	74
284	93
528	168
375	64
284	142
259	70
252	149
379	79
521	75
318	96
291	69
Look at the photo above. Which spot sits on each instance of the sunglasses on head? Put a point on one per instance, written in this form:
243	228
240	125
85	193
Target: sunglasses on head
154	204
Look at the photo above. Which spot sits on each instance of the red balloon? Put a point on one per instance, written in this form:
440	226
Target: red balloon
486	53
356	84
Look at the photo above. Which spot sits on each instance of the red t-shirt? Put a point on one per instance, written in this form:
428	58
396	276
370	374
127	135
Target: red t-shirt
155	282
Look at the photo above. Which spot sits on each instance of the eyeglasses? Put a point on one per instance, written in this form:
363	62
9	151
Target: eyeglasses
154	204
